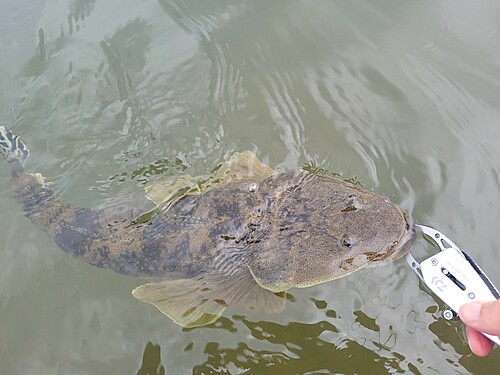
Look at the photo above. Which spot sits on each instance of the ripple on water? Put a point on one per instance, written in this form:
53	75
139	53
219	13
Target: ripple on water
110	94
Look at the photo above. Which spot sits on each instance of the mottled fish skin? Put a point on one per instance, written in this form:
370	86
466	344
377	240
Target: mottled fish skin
201	233
189	238
294	229
319	228
101	237
288	219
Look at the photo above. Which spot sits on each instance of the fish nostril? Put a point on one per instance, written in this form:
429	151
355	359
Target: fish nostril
253	187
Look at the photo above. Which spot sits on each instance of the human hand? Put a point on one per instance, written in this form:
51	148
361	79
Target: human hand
481	317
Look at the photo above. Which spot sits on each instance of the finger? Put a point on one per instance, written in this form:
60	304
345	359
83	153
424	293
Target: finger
479	345
482	316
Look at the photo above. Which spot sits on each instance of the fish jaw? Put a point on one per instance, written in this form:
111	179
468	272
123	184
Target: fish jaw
349	265
405	244
399	249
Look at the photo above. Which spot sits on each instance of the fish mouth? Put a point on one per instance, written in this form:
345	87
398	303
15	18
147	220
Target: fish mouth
404	245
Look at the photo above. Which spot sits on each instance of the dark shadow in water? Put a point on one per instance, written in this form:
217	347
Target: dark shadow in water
151	361
222	323
300	350
457	339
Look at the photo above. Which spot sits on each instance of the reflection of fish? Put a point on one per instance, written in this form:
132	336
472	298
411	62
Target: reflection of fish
244	239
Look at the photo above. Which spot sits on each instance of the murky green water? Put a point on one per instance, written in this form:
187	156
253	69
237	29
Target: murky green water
109	94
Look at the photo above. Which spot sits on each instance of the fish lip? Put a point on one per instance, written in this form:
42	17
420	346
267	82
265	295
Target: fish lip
403	246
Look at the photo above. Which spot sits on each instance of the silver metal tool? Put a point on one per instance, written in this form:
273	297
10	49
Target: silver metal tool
453	276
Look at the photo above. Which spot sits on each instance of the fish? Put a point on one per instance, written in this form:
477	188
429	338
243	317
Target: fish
240	238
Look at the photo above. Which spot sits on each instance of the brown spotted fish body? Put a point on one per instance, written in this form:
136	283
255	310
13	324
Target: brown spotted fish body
241	242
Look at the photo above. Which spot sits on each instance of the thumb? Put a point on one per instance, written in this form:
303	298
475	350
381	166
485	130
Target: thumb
482	316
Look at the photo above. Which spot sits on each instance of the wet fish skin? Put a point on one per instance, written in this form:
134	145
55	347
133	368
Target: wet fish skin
241	243
320	228
291	215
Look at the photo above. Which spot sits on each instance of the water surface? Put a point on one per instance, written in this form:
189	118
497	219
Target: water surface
110	95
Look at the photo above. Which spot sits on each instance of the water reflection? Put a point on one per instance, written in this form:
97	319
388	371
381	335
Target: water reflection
303	96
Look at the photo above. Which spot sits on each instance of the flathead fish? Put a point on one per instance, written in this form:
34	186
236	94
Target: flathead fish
241	240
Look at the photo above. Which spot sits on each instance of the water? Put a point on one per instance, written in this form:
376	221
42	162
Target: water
112	94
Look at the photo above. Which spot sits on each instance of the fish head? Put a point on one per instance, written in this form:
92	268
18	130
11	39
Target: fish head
327	229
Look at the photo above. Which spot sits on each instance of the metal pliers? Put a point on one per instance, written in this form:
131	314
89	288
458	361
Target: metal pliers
453	276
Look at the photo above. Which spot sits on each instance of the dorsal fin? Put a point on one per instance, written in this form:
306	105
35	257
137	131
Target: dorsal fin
242	166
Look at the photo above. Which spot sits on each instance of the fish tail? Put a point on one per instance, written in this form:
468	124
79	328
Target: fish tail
13	150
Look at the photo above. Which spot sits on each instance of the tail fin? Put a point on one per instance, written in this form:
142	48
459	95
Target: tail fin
13	150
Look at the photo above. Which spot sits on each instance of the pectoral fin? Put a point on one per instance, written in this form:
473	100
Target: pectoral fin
202	300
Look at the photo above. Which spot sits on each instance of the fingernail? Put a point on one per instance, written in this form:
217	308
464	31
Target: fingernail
469	313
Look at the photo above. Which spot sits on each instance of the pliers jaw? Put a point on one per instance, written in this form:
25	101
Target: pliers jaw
452	275
436	237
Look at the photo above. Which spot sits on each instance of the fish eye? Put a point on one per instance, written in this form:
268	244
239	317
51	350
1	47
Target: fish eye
347	242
